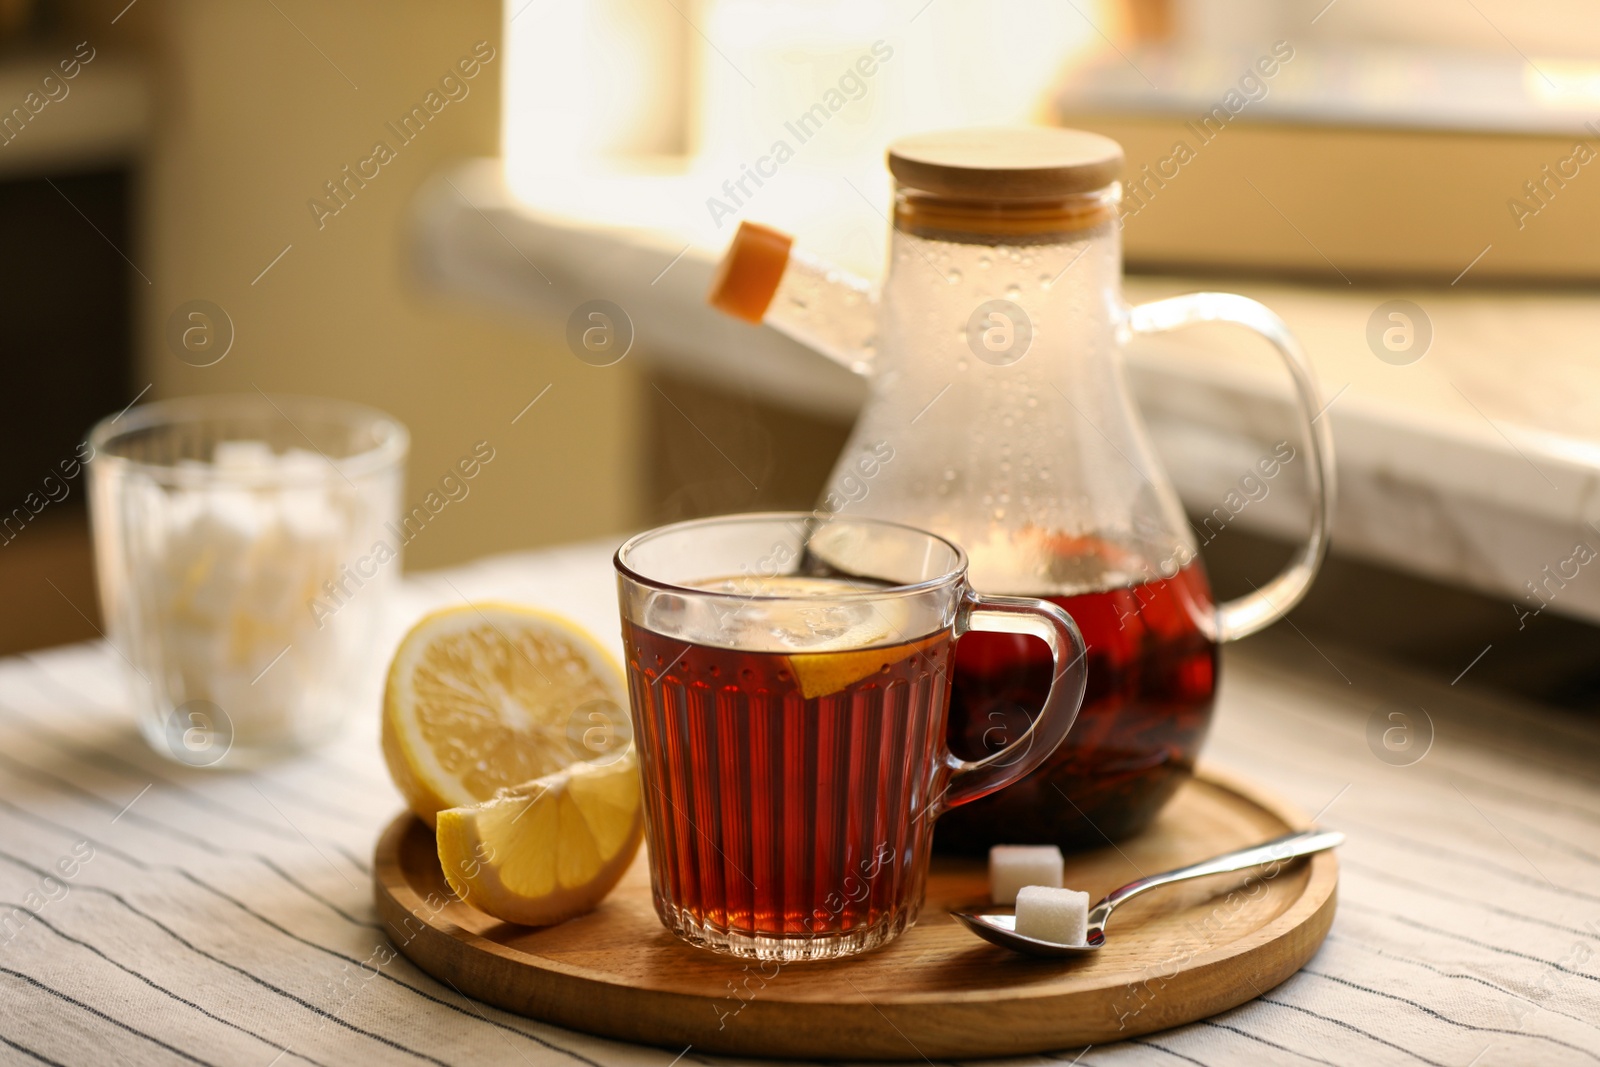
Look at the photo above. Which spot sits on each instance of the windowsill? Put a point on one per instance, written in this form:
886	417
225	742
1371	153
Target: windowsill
1440	471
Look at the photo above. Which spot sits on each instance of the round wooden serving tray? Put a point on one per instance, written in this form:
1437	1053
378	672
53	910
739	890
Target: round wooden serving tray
1172	956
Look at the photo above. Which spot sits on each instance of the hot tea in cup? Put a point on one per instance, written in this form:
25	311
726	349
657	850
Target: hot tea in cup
789	677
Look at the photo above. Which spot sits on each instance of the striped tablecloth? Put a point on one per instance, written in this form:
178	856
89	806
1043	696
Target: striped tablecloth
154	914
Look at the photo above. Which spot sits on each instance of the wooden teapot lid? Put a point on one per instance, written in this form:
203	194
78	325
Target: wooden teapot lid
1006	163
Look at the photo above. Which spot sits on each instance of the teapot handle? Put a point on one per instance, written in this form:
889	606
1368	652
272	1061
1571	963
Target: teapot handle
1255	611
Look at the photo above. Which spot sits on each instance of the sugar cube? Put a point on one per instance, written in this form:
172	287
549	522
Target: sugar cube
1049	913
1013	866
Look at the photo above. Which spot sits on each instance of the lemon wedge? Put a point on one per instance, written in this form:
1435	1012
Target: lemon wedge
549	850
489	696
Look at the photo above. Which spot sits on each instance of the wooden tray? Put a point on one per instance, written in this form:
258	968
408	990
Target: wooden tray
1175	955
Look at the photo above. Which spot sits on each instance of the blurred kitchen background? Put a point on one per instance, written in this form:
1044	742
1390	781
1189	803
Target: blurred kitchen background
186	213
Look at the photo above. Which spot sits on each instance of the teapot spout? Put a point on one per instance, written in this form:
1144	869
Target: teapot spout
763	279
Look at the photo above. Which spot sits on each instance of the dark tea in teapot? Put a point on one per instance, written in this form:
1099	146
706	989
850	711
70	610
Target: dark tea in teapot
994	357
1152	679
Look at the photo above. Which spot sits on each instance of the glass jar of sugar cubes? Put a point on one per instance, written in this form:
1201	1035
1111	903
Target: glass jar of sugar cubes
244	554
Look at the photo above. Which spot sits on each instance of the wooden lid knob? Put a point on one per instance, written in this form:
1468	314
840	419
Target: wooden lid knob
1008	163
748	276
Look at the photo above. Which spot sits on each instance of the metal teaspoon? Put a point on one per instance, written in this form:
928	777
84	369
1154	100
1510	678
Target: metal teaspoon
999	926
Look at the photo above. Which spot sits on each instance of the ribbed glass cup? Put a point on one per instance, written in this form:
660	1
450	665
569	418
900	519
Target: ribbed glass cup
789	677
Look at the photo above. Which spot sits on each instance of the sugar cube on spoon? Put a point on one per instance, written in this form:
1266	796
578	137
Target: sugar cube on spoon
1050	913
1013	866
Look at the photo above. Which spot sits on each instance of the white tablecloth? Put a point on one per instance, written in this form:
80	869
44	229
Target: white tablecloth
224	918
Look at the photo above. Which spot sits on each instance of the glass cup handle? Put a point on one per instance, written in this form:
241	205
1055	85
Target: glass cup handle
969	780
1260	609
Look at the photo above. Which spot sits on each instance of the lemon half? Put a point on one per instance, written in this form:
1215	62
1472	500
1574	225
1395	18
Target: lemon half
488	696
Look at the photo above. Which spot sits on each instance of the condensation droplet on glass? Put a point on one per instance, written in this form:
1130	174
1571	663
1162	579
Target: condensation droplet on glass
953	276
961	364
1045	280
1033	401
984	263
1013	292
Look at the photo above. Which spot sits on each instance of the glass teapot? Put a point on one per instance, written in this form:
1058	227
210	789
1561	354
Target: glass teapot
998	416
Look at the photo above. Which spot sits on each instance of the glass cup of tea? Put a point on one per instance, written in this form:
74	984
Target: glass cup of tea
789	678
